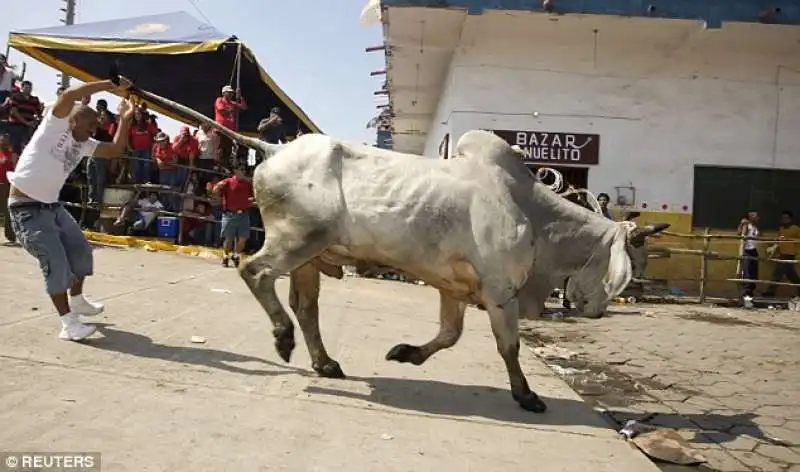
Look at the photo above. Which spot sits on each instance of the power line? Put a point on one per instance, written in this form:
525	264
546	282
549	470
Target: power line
197	8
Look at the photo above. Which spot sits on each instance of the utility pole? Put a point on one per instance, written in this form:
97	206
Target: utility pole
69	19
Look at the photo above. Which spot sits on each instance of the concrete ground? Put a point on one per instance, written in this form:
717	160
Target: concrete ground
728	379
149	400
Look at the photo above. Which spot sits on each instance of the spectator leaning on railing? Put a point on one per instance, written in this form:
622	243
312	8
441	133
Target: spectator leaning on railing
207	147
185	147
141	138
168	175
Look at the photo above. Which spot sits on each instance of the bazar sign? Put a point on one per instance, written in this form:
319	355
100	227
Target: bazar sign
565	148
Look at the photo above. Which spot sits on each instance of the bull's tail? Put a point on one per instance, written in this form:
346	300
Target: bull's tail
266	148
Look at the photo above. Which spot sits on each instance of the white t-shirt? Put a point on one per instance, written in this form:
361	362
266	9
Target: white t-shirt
149	210
48	159
750	232
205	151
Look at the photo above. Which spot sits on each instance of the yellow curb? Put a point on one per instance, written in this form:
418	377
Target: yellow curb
153	244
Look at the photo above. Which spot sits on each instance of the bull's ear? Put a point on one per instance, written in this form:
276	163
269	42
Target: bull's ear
641	232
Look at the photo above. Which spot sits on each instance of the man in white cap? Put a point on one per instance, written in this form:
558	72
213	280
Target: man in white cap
226	111
41	225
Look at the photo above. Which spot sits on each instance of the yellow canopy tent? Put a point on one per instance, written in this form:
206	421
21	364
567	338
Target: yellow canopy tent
172	55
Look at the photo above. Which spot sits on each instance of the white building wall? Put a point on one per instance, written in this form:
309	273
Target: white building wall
441	124
662	95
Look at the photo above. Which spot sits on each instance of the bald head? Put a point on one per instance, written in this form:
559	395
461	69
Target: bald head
82	111
83	122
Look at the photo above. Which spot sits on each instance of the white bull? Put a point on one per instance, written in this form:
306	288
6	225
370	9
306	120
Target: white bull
472	227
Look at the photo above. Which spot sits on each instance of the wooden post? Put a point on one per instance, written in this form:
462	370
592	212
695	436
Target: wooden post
180	229
704	264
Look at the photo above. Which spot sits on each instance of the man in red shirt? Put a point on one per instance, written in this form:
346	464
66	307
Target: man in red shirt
140	139
226	111
185	147
8	160
168	175
237	197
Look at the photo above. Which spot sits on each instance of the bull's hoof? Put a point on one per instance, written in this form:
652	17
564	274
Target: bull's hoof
594	316
531	402
284	342
406	353
330	370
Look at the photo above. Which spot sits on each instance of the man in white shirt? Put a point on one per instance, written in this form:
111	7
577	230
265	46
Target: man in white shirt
41	225
149	209
748	228
207	144
138	214
7	77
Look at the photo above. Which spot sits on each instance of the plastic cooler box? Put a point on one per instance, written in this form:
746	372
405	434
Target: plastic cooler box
167	226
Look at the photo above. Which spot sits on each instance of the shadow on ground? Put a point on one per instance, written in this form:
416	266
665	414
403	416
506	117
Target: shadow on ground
138	345
441	398
572	315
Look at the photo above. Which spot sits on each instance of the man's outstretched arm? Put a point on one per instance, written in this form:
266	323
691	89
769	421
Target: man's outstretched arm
120	143
66	101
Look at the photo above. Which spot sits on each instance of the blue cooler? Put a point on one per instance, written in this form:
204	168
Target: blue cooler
167	226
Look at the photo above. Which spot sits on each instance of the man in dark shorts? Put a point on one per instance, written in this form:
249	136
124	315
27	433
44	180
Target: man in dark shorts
237	197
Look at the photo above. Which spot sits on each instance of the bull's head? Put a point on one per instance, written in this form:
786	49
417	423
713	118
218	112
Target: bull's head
585	289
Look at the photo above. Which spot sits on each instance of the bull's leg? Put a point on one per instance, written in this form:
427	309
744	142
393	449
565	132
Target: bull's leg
451	325
506	332
533	295
261	270
304	300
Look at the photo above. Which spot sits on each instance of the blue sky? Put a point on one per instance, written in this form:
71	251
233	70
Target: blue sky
313	49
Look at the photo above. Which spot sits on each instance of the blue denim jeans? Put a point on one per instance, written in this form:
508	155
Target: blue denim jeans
141	169
235	225
51	235
97	178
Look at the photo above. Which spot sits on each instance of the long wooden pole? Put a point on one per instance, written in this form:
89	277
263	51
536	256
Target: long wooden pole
239	67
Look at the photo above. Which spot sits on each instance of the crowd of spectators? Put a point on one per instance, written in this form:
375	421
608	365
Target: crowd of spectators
200	174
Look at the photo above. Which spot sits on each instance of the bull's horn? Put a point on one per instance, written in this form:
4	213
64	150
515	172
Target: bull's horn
641	232
267	148
656	228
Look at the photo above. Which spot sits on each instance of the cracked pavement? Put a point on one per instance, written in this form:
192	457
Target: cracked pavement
727	379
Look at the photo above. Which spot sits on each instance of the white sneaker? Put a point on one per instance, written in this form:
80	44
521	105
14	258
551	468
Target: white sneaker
81	305
73	330
748	301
